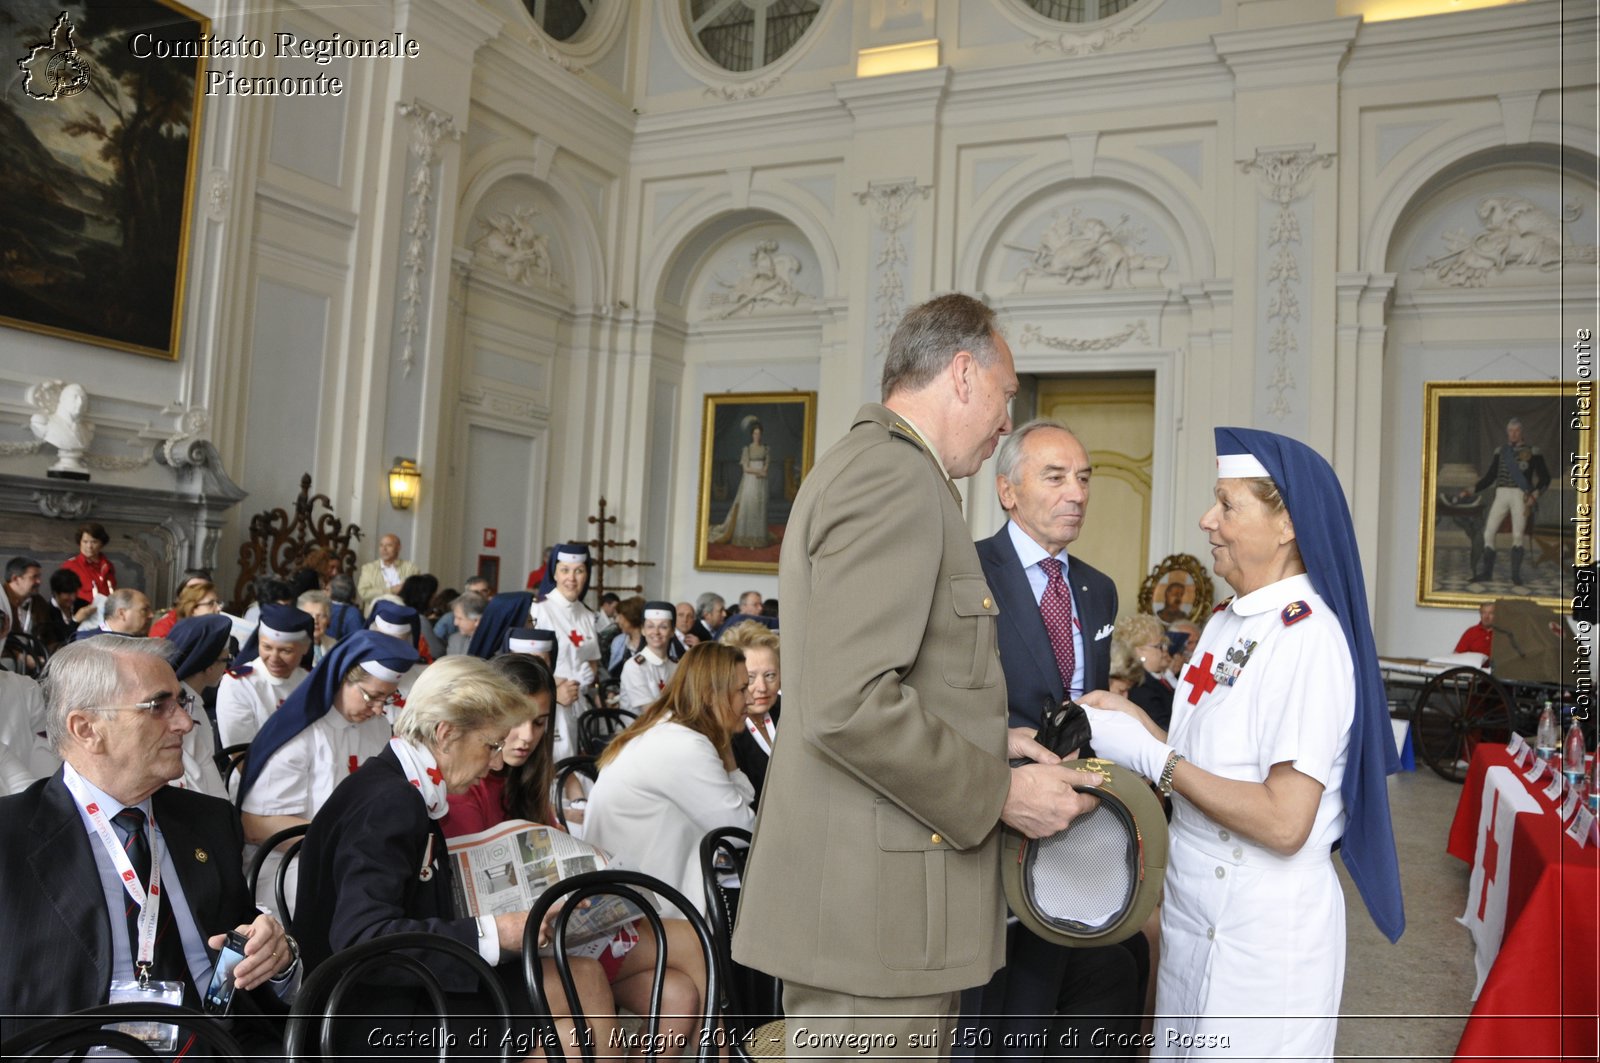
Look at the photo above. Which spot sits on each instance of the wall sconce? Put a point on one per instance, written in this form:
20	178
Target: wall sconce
404	481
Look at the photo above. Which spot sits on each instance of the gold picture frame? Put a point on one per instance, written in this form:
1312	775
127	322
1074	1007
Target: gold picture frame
755	448
99	249
1193	603
1464	425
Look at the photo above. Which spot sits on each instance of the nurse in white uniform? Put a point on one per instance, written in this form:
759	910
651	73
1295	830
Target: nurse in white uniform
199	658
561	609
268	672
645	674
1278	750
321	735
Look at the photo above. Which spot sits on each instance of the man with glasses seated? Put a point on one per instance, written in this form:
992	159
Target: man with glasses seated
326	730
73	928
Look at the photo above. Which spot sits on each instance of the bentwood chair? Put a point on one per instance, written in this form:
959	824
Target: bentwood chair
597	727
296	834
568	929
751	999
320	1029
566	768
67	1036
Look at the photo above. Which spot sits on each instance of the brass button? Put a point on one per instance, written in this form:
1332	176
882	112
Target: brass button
936	839
988	603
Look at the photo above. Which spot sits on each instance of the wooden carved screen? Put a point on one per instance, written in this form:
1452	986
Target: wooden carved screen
280	540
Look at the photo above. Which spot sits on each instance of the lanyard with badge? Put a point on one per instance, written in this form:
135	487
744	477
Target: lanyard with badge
764	733
141	989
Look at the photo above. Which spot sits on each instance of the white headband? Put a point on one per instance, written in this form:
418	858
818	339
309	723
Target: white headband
389	628
571	559
1240	467
388	675
530	645
283	636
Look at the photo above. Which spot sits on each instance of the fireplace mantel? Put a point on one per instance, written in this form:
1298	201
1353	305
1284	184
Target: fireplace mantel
165	530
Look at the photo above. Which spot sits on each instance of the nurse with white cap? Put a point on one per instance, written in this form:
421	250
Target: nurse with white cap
1277	755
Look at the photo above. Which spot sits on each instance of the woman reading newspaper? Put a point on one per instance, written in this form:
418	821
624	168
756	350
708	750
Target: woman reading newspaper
517	788
375	863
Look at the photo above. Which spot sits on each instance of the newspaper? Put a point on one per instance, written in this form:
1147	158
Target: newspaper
507	867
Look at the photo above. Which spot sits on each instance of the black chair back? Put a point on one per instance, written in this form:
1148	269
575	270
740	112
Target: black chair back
751	998
63	1037
317	1005
230	760
597	727
566	768
297	833
623	884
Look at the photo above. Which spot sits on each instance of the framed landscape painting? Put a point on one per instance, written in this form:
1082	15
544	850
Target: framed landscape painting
755	449
1497	511
101	138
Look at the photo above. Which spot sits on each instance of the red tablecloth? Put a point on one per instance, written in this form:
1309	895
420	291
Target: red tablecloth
1541	999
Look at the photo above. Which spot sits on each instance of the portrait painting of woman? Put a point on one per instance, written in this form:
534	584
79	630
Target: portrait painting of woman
755	449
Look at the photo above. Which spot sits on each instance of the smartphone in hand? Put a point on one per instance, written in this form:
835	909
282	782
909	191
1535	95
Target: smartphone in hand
219	994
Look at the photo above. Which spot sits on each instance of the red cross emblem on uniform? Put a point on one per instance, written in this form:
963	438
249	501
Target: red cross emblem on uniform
661	684
576	639
353	764
1201	681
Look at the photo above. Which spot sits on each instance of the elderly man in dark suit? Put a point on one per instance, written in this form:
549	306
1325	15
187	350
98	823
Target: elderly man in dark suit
1056	616
70	922
873	885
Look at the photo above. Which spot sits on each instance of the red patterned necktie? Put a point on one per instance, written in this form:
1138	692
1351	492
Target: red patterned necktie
1055	606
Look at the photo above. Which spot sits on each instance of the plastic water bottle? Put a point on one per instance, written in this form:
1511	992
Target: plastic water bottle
1544	742
1572	754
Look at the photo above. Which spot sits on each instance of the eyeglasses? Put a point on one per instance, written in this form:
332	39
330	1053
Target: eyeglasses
160	708
494	747
383	701
210	603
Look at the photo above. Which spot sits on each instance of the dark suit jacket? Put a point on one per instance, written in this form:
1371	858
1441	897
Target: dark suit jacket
55	932
1033	680
360	872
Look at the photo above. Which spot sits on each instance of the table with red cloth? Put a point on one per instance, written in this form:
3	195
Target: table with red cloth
1541	999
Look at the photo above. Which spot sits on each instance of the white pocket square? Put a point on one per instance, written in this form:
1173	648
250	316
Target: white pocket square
1103	633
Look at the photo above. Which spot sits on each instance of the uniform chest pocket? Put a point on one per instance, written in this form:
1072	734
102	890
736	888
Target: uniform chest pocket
970	660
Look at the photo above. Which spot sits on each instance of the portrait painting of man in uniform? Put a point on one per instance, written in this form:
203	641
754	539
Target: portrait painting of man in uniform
1497	508
755	449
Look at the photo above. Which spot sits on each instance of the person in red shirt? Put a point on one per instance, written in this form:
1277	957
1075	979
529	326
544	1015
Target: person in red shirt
1480	636
96	573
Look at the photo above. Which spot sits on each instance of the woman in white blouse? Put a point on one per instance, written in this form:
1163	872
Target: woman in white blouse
670	777
326	730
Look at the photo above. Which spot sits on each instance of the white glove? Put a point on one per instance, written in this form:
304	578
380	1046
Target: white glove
1120	738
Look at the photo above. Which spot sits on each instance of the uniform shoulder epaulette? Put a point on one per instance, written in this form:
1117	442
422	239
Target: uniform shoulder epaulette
241	672
1222	605
638	658
1295	612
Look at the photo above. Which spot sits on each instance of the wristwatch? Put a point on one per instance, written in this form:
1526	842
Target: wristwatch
294	958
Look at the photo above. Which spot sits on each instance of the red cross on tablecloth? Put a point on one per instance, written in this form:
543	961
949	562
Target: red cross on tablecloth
1491	855
1201	681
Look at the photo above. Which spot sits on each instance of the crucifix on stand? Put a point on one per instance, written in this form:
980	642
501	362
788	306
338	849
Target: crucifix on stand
600	544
